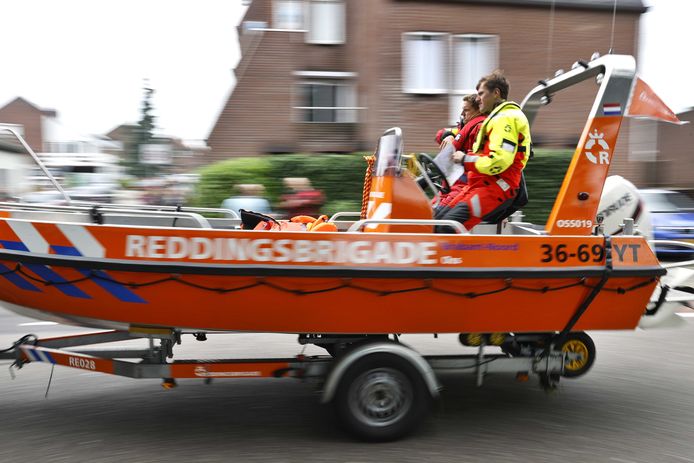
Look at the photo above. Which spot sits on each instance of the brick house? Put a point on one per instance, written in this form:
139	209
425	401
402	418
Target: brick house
29	116
45	133
332	75
660	153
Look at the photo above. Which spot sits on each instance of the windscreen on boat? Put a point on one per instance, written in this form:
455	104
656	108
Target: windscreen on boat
388	153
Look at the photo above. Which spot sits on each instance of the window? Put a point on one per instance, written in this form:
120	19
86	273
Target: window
326	22
288	14
424	67
64	147
326	97
474	56
253	26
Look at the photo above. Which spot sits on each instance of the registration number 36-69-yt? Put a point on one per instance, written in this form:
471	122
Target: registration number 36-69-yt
562	253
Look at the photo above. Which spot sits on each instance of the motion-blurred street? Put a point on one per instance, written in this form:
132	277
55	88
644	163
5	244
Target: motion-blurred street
635	405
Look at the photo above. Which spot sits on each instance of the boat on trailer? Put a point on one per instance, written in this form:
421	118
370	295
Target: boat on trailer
163	272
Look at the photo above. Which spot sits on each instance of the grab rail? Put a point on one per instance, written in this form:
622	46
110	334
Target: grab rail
202	221
38	162
356	226
151	207
344	214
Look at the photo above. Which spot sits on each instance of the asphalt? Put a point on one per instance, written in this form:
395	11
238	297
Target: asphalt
635	405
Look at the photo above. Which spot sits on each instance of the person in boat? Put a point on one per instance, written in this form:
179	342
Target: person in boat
496	161
469	110
463	138
302	198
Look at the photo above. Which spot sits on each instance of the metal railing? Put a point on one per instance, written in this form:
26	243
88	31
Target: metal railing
357	226
39	163
200	220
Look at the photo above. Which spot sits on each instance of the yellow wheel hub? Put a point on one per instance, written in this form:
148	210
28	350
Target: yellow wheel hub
575	346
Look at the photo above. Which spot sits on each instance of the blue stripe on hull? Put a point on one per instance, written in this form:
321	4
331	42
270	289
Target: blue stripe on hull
17	280
103	279
47	273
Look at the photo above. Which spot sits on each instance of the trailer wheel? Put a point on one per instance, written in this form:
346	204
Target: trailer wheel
381	397
578	343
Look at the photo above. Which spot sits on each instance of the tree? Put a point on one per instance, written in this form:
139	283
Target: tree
143	134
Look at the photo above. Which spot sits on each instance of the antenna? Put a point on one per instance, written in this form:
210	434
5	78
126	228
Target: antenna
549	38
614	14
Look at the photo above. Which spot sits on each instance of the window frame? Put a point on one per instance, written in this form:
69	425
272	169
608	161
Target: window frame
455	95
457	37
277	25
328	78
406	88
308	22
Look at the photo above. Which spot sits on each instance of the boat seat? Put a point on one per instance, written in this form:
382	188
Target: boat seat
509	206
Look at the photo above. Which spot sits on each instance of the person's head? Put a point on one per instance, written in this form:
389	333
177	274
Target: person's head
297	183
471	108
250	189
492	90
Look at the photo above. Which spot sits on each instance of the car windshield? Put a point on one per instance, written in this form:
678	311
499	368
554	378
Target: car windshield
669	201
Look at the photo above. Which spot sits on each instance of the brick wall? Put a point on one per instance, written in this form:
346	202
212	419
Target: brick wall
20	111
258	118
675	153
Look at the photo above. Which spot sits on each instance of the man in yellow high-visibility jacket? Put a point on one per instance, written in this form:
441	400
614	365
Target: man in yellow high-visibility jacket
496	161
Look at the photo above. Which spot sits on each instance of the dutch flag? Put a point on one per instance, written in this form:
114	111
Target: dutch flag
611	109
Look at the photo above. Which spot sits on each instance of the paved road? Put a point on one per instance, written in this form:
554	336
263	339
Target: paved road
636	405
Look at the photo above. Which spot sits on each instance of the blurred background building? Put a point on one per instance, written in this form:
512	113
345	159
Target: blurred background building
659	154
90	166
332	75
329	76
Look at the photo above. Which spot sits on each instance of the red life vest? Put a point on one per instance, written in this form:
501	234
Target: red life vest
467	135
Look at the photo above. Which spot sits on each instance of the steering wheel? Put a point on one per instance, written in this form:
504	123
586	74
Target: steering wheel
432	172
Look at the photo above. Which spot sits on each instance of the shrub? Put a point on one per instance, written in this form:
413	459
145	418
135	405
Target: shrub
217	180
543	176
341	176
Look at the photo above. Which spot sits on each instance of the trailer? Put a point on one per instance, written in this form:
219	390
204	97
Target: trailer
380	388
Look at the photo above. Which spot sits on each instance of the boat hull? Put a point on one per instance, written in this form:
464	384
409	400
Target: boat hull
358	306
293	282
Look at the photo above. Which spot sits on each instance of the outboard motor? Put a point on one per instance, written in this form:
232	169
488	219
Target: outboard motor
621	200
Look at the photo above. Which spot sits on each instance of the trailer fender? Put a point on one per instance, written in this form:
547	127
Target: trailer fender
343	363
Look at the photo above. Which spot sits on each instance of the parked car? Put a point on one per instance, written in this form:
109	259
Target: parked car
672	218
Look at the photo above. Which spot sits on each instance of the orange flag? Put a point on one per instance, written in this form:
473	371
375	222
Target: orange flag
645	103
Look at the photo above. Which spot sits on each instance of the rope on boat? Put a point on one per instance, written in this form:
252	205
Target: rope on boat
367	185
344	283
26	339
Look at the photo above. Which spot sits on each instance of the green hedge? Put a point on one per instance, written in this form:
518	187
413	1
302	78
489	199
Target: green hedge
340	177
543	176
217	180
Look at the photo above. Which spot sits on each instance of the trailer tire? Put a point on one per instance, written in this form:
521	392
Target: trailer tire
382	397
578	342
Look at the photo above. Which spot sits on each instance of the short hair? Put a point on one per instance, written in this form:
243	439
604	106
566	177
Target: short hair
495	80
472	99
